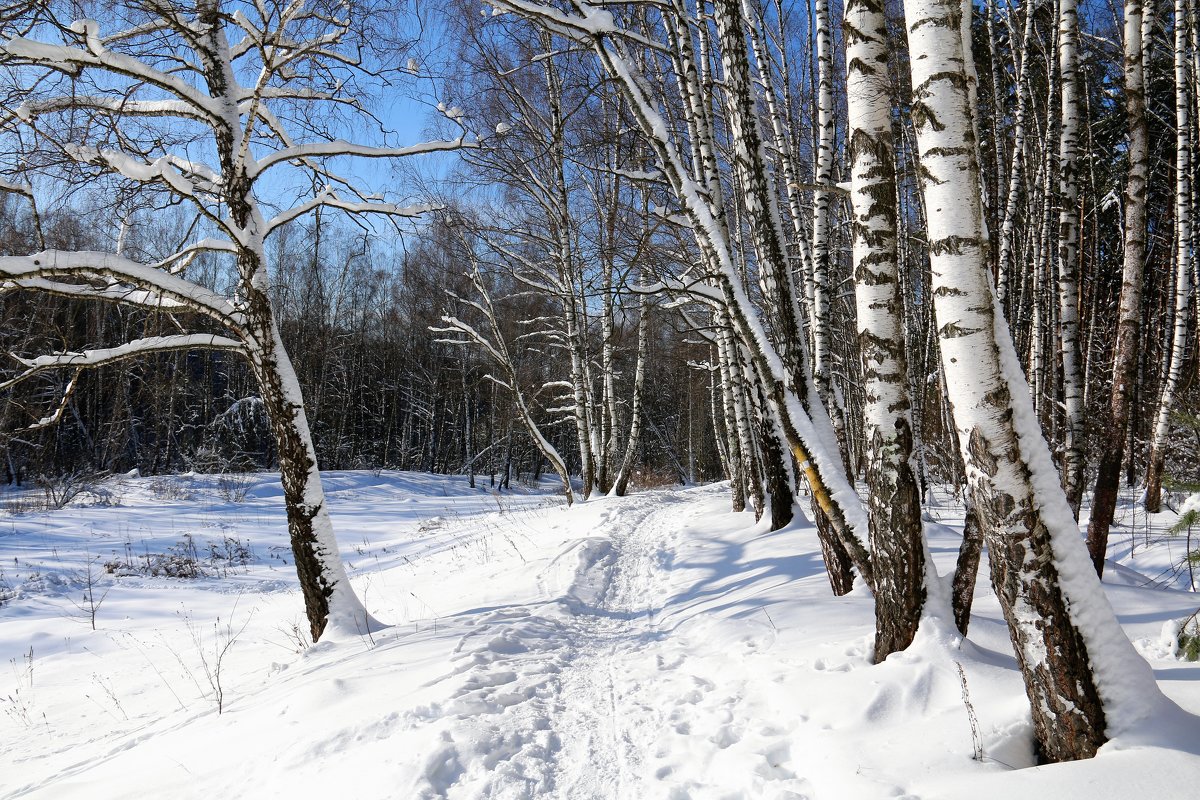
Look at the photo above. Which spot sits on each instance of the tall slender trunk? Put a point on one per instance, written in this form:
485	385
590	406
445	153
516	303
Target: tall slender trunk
1104	502
329	599
998	142
738	460
573	309
751	464
798	413
894	504
1074	452
1183	261
1005	266
778	114
822	211
766	230
621	484
608	418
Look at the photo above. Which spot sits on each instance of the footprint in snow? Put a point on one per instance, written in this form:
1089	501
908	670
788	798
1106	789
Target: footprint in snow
725	737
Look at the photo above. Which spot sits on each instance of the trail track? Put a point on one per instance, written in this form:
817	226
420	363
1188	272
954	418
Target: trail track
588	697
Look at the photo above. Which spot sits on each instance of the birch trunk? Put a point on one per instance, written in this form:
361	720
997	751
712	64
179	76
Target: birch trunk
798	414
621	484
739	467
328	596
1009	218
998	144
821	247
1077	665
608	406
746	444
1183	262
1075	453
1104	501
893	507
780	125
766	228
574	312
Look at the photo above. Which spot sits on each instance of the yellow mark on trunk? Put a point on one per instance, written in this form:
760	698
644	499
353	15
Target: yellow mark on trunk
820	493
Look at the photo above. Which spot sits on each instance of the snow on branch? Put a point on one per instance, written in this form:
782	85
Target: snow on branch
176	262
329	199
696	289
503	384
63	402
455	325
16	188
340	147
88	359
182	176
88	266
74	60
32	109
666	215
137	298
591	22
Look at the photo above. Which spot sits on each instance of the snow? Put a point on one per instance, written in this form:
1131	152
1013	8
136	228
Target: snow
653	646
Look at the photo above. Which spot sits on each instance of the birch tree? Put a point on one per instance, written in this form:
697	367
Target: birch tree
822	211
893	505
1017	167
204	105
491	341
1183	259
1084	680
1075	452
1125	360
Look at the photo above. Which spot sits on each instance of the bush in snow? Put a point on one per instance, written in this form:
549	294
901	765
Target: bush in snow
60	490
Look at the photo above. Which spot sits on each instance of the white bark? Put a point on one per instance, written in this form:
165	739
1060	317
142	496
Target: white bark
823	179
1125	358
632	444
809	436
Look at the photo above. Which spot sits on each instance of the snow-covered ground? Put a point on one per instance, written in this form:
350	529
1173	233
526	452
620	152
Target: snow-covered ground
655	646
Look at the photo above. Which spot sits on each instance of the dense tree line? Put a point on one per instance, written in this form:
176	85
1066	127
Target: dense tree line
807	247
380	390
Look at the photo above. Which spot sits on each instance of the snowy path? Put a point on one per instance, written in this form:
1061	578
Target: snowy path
605	722
591	698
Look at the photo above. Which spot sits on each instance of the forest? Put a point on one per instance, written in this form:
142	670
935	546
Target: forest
846	257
